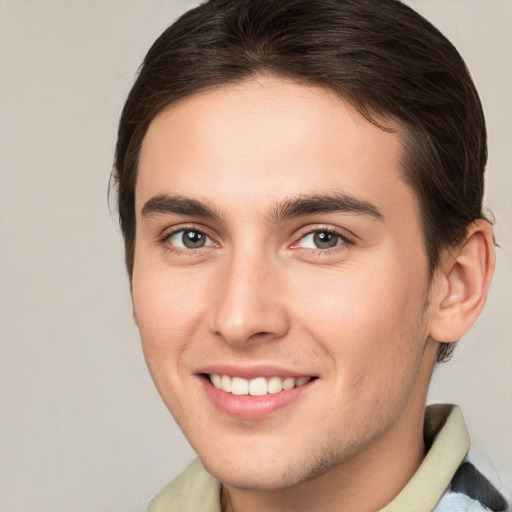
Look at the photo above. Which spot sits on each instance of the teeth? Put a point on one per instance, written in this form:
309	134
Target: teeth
225	383
239	386
301	381
259	386
275	384
216	380
289	383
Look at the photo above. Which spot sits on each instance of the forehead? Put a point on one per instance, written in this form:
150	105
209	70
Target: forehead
266	138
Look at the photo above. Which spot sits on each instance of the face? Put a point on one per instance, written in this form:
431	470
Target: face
280	281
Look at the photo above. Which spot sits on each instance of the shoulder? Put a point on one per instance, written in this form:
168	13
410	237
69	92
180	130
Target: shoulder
194	490
469	482
458	502
471	491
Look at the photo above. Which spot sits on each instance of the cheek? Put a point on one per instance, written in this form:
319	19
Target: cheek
373	335
169	310
169	316
365	320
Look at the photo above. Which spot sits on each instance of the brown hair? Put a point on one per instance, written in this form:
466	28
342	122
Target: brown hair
381	56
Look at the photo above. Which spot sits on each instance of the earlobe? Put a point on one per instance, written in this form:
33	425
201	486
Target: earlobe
462	284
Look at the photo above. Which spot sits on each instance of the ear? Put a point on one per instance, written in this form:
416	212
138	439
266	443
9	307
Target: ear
461	284
134	313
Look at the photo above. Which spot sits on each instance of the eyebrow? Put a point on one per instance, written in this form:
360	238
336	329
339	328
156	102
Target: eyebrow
324	203
178	205
293	207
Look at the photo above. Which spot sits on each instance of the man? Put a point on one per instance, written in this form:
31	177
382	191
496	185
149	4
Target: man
300	191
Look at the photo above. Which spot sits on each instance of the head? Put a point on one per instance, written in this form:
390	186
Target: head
390	64
241	113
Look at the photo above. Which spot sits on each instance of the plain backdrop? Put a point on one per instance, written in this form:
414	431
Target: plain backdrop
81	426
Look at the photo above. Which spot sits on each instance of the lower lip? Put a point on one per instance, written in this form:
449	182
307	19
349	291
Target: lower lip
249	407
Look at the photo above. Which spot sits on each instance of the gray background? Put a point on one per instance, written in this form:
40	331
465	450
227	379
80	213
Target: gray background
81	427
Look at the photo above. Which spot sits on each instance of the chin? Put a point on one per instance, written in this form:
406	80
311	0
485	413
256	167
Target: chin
250	477
269	474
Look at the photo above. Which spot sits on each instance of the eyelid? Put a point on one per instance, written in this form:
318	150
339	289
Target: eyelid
166	234
208	242
346	237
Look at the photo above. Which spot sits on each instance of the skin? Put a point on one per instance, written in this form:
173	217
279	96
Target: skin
358	316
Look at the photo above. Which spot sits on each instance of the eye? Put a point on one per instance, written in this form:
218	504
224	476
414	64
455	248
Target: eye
189	239
321	240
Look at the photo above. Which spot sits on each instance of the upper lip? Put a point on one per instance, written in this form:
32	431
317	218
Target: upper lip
253	371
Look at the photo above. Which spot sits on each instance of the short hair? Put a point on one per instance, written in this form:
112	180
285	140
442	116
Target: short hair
381	56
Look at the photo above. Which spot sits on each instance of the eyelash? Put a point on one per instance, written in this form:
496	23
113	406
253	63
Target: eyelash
345	241
165	240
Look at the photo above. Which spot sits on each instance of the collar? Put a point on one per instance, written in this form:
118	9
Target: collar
448	437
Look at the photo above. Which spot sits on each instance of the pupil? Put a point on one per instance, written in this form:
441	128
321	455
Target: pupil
193	239
324	240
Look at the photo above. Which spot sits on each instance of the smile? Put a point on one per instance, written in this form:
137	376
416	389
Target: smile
258	386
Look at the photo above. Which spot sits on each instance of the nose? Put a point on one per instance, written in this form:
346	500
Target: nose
249	303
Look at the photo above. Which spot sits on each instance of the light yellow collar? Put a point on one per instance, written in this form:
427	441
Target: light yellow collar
446	430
